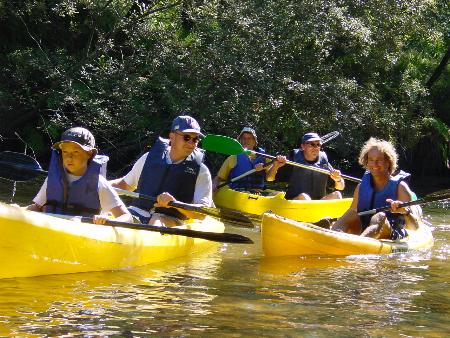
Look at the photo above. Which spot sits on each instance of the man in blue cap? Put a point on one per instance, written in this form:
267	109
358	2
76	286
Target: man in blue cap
172	170
306	184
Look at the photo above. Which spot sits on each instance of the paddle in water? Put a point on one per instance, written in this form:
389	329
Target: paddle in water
20	167
229	146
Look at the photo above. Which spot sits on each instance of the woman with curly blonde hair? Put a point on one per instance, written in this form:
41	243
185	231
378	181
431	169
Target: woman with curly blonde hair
378	188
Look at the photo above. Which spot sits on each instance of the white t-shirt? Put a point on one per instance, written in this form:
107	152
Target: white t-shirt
107	195
203	185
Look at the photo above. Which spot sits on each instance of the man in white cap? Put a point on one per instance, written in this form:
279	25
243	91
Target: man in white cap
172	170
237	165
306	184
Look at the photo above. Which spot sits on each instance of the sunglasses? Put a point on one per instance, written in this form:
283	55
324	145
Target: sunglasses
187	138
314	145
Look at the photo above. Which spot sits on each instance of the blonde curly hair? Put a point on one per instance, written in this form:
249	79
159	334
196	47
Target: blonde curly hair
387	148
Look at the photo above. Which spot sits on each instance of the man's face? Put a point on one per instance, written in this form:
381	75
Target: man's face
311	149
183	144
247	141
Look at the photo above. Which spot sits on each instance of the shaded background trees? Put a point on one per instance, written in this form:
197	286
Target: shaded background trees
124	69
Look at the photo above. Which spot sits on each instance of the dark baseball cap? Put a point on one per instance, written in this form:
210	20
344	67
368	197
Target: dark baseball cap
186	124
80	136
311	137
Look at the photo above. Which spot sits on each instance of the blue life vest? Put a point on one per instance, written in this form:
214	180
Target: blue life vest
255	180
308	181
369	199
177	179
80	198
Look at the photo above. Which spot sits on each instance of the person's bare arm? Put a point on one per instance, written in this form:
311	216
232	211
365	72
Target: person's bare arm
273	169
121	184
34	207
350	222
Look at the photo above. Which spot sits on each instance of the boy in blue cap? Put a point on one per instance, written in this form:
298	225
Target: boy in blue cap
305	184
172	170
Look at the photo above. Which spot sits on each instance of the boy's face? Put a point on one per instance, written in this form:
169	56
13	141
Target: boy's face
75	158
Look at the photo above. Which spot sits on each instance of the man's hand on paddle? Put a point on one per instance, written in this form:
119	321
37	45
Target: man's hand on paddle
280	161
163	200
335	175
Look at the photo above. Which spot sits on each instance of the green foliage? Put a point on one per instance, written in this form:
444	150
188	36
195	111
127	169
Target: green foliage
125	68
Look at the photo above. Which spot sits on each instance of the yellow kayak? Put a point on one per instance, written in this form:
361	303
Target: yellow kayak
284	237
306	211
36	244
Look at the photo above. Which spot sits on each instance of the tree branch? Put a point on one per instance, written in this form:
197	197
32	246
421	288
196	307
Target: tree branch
439	70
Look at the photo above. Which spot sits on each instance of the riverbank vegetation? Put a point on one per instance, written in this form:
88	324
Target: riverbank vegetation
125	68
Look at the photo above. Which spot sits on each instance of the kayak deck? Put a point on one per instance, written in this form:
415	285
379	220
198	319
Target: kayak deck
285	237
38	244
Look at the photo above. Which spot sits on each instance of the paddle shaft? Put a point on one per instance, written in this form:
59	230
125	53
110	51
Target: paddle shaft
242	176
222	237
325	139
304	166
29	168
229	215
404	204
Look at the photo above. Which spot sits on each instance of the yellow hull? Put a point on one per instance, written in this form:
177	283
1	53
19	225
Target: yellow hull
36	244
306	211
284	237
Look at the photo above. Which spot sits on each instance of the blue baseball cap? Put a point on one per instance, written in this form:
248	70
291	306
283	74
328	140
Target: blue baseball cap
186	124
311	137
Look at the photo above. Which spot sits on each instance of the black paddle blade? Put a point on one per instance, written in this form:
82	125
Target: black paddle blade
437	196
19	167
330	136
221	237
231	216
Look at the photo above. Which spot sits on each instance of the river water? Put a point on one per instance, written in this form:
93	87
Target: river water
233	291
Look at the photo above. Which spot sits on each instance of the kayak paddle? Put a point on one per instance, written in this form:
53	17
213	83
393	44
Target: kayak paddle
20	167
228	215
433	197
325	139
223	237
229	146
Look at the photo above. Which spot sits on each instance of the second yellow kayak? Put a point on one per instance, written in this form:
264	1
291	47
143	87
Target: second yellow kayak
284	237
306	211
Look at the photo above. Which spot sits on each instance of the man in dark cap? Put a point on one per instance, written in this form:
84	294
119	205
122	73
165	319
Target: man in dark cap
76	183
306	184
172	170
